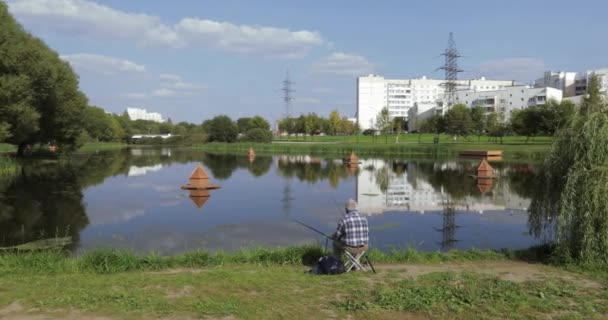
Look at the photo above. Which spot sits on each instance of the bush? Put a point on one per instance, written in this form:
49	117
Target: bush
257	135
369	132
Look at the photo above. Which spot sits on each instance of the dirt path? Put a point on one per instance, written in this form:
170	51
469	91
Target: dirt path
515	271
506	270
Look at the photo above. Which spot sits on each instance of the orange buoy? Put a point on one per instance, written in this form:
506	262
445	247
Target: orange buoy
199	180
351	159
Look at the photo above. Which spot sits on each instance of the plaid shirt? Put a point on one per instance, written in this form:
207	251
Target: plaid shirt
352	230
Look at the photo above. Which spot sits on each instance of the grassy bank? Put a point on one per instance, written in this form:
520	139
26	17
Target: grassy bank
271	284
445	149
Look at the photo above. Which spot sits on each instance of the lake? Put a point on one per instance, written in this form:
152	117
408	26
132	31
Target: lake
131	199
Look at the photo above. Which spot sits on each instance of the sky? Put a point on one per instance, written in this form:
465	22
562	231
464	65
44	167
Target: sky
191	60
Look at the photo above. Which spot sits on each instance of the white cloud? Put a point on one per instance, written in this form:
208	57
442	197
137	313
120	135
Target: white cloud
175	82
169	86
248	39
87	18
102	64
344	64
519	69
164	92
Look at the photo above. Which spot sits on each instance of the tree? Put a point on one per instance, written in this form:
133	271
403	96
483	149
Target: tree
38	91
221	129
571	203
527	122
478	117
434	124
258	135
4	131
243	124
258	122
335	122
495	126
458	121
101	126
383	123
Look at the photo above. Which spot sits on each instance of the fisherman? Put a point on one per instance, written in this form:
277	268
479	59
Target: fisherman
352	233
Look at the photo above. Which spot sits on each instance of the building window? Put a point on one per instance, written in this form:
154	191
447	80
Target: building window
522	99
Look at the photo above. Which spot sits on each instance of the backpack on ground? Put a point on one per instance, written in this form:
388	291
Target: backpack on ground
328	265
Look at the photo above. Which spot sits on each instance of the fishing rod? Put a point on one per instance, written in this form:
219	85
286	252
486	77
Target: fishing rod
317	231
313	229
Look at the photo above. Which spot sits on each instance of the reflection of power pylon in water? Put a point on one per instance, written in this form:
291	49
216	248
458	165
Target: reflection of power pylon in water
449	226
287	198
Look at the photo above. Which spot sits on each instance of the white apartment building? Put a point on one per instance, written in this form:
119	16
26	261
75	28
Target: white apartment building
375	92
143	114
508	99
573	83
565	81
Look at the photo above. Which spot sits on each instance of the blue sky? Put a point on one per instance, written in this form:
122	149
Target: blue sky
191	59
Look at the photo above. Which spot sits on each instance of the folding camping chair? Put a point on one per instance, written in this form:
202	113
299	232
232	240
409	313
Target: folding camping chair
354	256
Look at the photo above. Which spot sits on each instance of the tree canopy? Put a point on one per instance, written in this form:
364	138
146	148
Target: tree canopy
39	97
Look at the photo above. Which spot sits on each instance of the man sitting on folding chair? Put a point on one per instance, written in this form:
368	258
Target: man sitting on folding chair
351	237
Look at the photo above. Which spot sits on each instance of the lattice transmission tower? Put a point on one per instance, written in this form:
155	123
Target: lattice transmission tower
450	67
287	94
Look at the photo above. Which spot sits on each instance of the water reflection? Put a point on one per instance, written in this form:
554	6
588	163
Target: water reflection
132	199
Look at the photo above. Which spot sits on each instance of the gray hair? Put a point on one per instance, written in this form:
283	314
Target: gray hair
350	205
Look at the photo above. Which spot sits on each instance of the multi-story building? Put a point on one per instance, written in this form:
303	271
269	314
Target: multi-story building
565	81
573	83
375	93
508	99
143	114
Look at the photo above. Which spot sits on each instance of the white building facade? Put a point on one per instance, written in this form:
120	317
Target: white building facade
375	93
508	99
573	84
143	114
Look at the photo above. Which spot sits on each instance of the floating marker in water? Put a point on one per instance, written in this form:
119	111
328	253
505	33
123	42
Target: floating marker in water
199	186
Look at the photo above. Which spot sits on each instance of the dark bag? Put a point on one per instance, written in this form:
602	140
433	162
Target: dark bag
329	265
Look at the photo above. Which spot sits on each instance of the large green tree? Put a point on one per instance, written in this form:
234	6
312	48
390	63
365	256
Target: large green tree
478	117
39	97
221	129
458	121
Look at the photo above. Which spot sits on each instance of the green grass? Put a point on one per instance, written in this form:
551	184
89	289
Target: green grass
513	147
8	167
271	284
5	147
116	261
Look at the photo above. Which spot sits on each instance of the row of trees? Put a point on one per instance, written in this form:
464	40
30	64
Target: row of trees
463	121
312	124
40	103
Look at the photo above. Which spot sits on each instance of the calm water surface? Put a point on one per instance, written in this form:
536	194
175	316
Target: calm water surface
132	199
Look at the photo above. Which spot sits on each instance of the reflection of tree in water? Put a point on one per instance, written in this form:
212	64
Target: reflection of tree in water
45	201
313	171
454	179
260	166
383	178
222	166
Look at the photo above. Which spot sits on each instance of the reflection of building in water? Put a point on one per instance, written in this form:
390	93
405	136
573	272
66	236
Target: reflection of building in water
151	152
380	189
140	171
